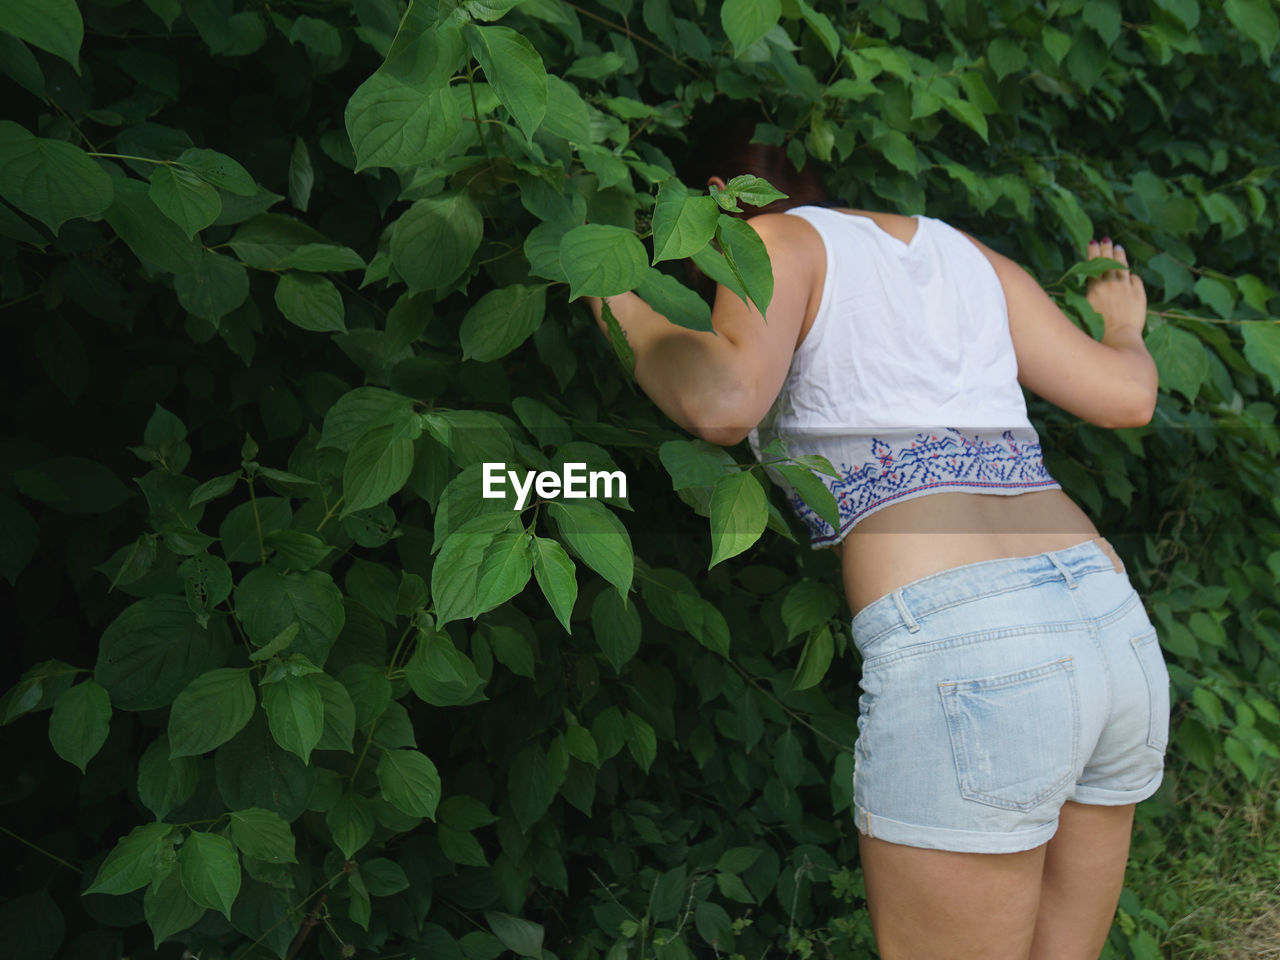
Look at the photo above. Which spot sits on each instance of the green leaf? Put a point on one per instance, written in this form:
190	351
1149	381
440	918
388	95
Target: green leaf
1067	207
210	710
504	570
169	909
682	223
210	870
409	782
268	601
129	865
219	170
748	259
319	36
379	465
598	538
153	649
51	180
392	123
968	114
1262	350
554	572
814	660
1256	19
694	463
501	320
1005	56
295	714
515	71
522	937
616	625
618	341
1186	11
529	786
1104	17
746	21
322	258
432	242
739	513
601	261
820	24
351	822
808	604
567	114
52	25
262	834
184	198
302	176
812	491
673	300
80	722
216	287
310	302
1218	295
1180	359
149	233
440	674
165	783
339	714
748	188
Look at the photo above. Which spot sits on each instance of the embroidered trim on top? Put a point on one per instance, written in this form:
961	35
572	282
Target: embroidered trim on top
930	460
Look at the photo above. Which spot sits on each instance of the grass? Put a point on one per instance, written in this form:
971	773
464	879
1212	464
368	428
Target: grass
1207	860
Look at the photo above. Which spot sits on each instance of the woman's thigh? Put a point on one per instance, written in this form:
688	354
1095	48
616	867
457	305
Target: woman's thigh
943	904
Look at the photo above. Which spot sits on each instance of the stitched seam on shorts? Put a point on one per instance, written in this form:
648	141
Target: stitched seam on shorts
929	611
968	639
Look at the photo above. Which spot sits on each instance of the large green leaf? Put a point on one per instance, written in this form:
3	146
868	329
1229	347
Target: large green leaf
669	297
392	123
153	649
310	302
515	70
1180	359
262	834
746	21
1257	20
598	538
217	286
739	513
501	320
130	863
601	261
79	723
51	180
378	467
53	25
150	234
409	782
555	575
616	625
747	258
210	870
169	909
164	783
184	198
267	601
433	241
683	223
210	710
295	714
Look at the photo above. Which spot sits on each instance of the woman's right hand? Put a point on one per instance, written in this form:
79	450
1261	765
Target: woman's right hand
1119	295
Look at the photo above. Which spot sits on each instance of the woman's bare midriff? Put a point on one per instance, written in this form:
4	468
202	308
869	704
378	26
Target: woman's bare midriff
909	540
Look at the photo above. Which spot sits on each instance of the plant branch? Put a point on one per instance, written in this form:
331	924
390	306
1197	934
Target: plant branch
631	35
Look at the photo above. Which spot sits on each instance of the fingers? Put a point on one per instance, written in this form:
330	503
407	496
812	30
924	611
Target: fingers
1111	251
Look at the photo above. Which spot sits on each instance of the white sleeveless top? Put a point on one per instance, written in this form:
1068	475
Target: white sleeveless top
907	379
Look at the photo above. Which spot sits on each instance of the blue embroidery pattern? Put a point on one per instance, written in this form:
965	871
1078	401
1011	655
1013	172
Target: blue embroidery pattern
932	459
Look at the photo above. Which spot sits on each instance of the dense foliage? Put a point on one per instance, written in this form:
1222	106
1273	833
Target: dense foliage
278	279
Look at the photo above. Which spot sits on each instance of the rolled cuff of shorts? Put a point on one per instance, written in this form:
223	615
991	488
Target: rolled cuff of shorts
944	838
1102	797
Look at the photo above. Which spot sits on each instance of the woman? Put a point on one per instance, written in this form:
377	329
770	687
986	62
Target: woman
1015	702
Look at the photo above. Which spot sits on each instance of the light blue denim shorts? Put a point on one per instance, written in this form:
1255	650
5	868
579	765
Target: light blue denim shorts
995	691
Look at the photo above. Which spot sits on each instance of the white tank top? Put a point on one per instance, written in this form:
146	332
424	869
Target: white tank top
907	379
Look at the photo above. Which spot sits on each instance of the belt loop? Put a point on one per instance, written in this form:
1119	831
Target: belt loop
1066	574
907	618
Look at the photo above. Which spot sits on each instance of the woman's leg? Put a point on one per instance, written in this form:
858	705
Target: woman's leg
941	905
1083	875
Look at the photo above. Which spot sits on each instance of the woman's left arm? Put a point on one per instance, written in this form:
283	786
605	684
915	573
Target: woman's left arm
720	385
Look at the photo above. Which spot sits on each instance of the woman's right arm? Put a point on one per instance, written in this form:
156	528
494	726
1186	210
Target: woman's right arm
1112	382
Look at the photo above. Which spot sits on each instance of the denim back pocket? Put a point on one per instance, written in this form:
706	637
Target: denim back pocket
1014	736
1147	649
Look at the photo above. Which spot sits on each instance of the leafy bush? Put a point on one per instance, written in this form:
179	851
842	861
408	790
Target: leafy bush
280	279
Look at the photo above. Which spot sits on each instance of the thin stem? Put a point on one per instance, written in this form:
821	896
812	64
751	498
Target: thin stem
1175	315
329	513
10	303
126	156
788	711
631	35
54	857
257	521
351	780
475	114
